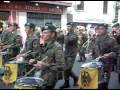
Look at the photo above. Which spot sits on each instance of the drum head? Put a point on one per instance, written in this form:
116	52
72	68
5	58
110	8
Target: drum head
30	81
92	64
15	62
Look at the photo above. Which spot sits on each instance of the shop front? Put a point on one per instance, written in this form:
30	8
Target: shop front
34	12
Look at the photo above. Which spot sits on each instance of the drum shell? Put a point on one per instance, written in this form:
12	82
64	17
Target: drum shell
98	66
21	67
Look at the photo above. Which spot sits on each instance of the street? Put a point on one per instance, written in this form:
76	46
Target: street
113	84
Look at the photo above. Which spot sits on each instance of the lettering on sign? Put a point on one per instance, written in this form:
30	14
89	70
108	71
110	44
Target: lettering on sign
28	7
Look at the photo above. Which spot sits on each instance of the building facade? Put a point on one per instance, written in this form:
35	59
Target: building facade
37	12
93	11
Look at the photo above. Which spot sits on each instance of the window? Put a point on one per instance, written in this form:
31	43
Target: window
105	6
80	6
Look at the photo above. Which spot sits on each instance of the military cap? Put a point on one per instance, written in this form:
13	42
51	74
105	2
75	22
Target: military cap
50	27
31	25
70	23
115	25
102	25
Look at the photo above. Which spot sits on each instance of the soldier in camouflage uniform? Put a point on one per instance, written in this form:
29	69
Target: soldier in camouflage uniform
31	45
82	38
71	40
4	35
12	41
116	29
105	46
52	50
116	35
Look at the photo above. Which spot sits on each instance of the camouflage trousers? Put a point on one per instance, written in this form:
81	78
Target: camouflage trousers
69	65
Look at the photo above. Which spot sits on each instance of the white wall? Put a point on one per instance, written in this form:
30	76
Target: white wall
64	19
119	15
93	10
22	20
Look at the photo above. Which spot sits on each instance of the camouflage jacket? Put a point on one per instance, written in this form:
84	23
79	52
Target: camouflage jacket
104	44
53	50
71	44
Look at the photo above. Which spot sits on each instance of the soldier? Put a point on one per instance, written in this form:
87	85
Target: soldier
31	46
54	52
29	29
60	36
4	35
82	38
116	35
116	29
71	40
105	46
12	42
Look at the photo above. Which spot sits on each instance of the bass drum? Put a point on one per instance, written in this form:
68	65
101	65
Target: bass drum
91	75
30	83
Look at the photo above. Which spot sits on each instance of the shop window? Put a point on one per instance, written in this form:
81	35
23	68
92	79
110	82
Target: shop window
105	7
80	5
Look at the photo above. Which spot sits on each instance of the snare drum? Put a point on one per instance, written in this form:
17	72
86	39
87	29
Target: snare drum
30	83
91	75
21	67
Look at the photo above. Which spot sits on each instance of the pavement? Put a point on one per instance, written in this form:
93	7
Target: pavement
113	84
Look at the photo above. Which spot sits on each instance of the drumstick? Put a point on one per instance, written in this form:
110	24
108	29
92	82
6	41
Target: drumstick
34	67
16	57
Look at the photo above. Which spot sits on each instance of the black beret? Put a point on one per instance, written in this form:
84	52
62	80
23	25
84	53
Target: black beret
31	25
102	25
49	26
115	25
70	23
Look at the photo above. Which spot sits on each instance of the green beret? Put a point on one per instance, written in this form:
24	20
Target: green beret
50	27
102	25
31	25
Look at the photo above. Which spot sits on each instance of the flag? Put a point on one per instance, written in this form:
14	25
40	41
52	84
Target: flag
10	75
88	78
1	60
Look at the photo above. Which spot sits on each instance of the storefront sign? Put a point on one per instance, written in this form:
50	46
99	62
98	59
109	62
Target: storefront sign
31	8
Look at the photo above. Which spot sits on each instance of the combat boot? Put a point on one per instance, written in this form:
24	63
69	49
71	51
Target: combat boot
75	78
66	85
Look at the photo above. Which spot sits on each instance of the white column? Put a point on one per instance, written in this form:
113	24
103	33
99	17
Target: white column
22	19
64	19
119	15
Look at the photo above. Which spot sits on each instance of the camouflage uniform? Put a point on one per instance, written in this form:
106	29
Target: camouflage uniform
60	38
71	40
55	53
14	39
4	36
53	50
102	45
82	38
31	44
